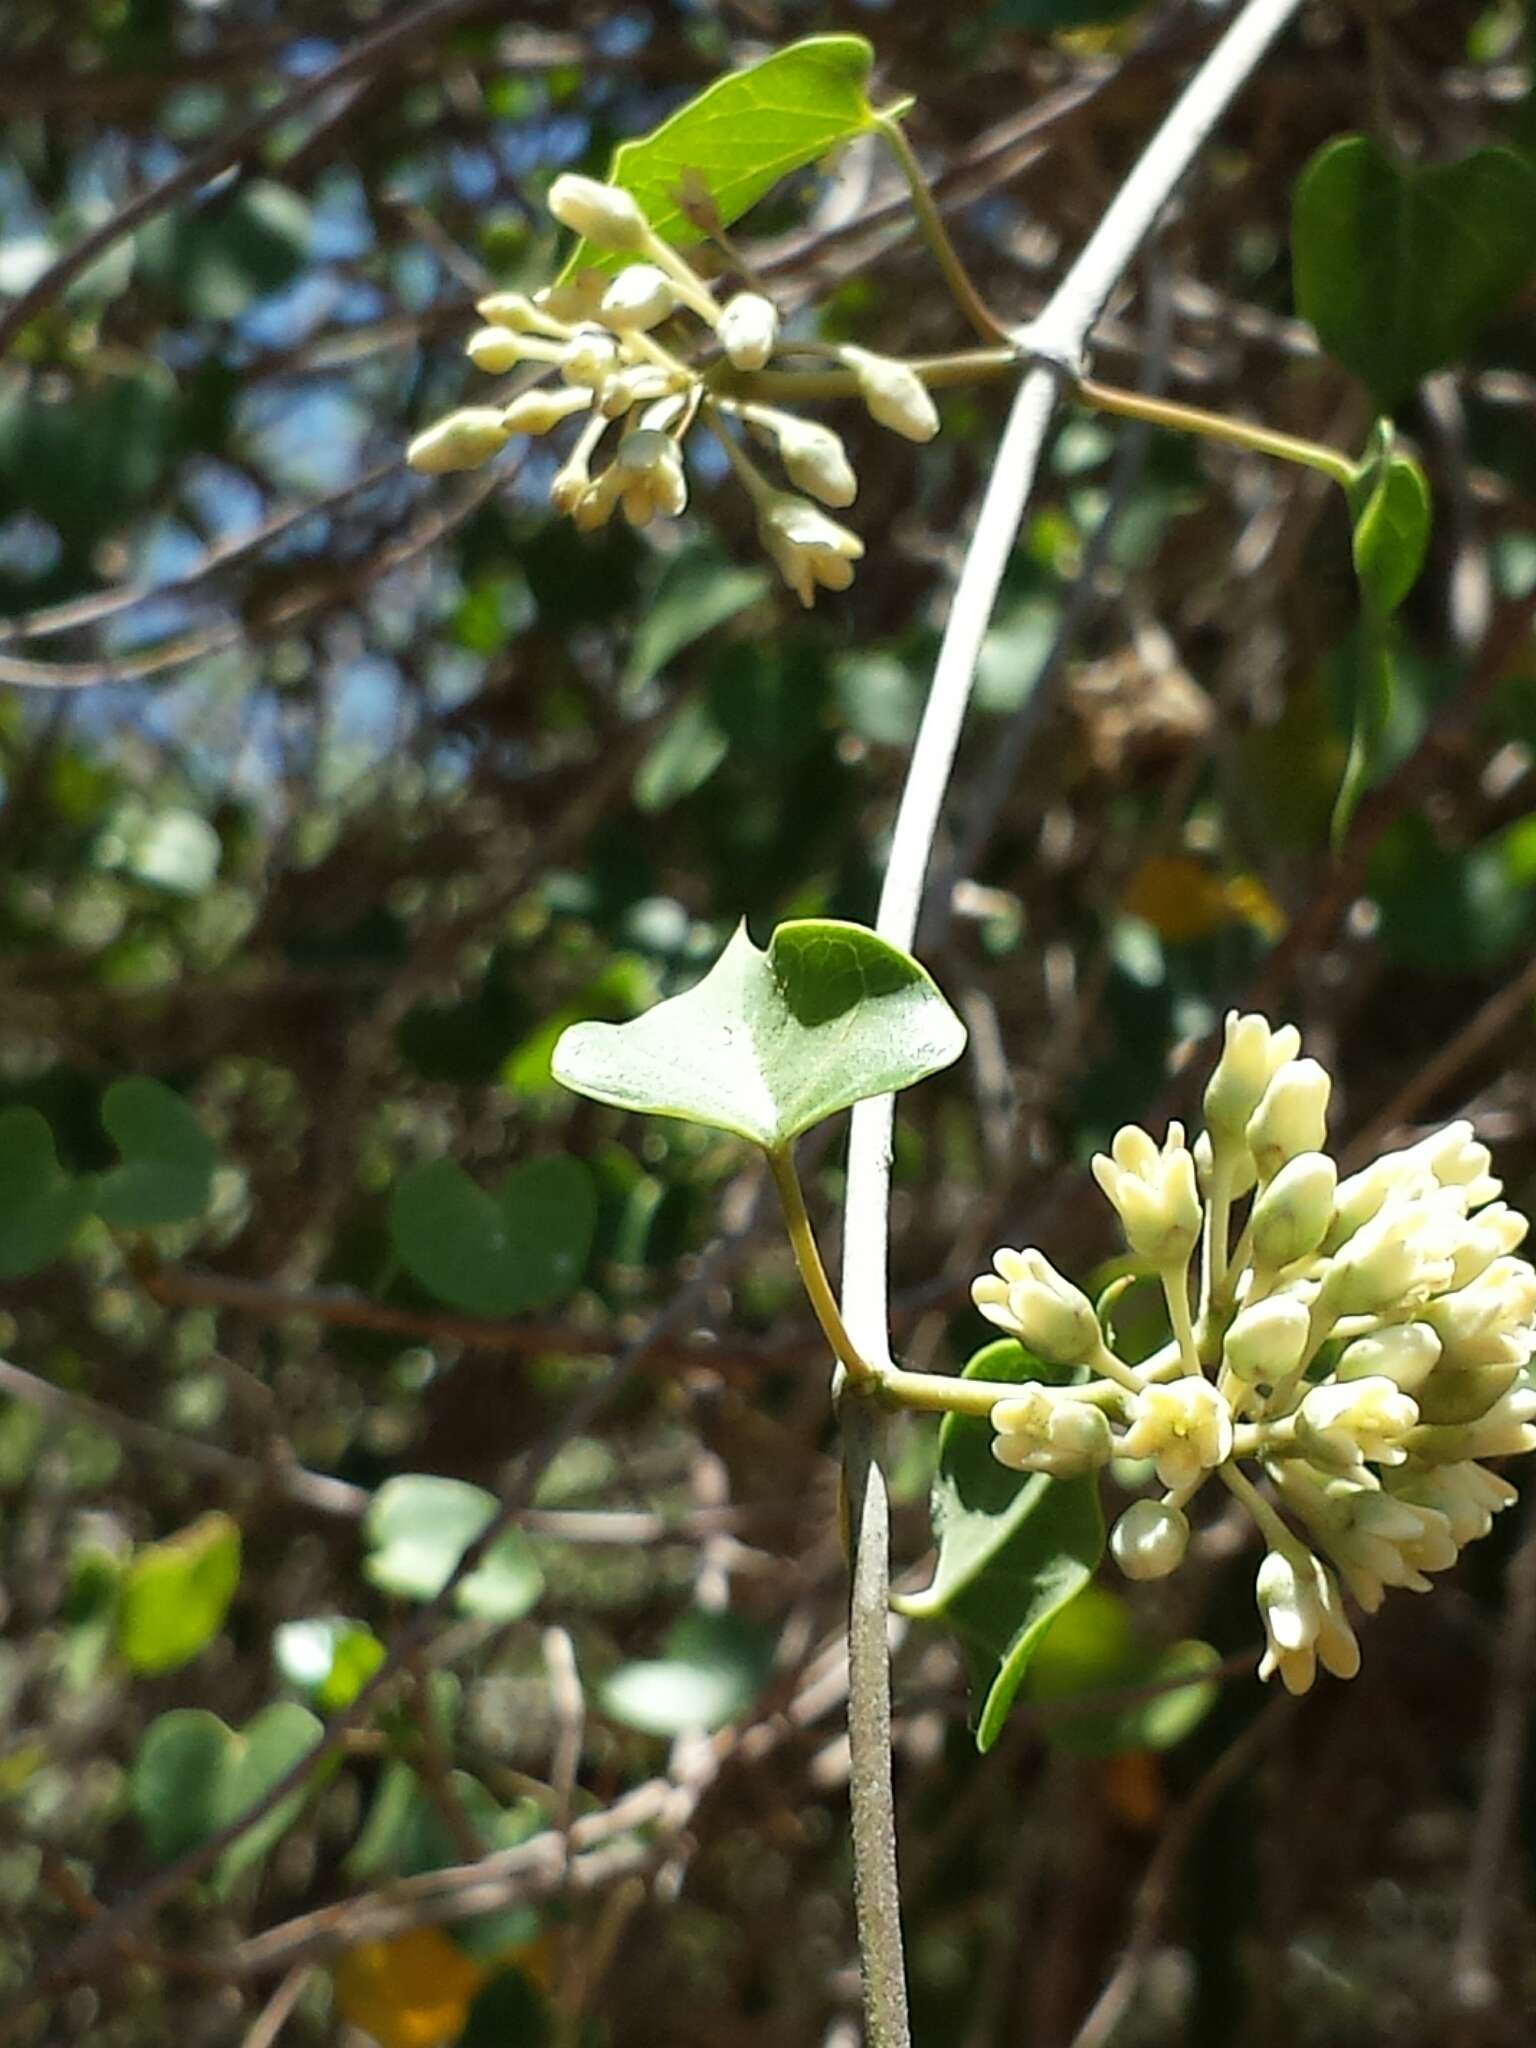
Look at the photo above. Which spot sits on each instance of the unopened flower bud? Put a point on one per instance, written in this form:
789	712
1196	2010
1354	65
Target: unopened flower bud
1292	1213
607	215
1457	1159
1405	1353
1506	1430
895	395
536	412
1400	1255
625	389
574	299
650	473
1292	1116
1484	1238
1338	1424
1149	1540
1467	1495
1041	1431
515	310
815	459
640	298
1266	1343
808	548
1029	1299
748	329
1153	1192
1251	1056
464	440
590	359
1304	1620
497	349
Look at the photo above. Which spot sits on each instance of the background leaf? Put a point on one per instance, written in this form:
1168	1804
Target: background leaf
742	134
525	1247
168	1158
1398	265
712	1668
194	1775
1095	1645
418	1527
176	1594
41	1206
770	1043
1013	1548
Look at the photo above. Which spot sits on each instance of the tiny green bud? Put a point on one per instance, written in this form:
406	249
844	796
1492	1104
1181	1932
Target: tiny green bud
1291	1215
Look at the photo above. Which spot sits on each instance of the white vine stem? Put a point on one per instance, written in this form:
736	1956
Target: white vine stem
1056	341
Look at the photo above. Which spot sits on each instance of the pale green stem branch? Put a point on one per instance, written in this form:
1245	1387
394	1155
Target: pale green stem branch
1217	426
813	1273
942	1394
1175	1281
1271	1527
931	221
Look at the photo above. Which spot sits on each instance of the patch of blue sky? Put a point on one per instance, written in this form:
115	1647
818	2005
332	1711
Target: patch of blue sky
547	143
228	504
308	54
622	35
472	171
340	229
306	440
454	676
283	319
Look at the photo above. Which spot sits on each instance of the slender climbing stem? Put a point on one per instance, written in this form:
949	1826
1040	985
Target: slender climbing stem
813	1273
1271	1527
1217	426
1175	1281
1057	338
931	221
942	1394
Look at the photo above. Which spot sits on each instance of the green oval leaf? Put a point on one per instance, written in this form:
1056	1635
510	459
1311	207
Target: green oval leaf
770	1043
168	1158
496	1255
176	1594
41	1207
1398	265
194	1775
1093	1646
1013	1549
713	1668
418	1527
741	135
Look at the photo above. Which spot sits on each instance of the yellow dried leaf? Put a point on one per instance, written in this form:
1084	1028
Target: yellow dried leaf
1183	899
412	1991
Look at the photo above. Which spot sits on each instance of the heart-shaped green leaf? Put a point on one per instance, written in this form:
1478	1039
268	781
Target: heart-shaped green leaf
194	1775
496	1255
41	1207
177	1593
1398	265
741	135
712	1669
168	1158
770	1043
418	1527
1094	1647
1013	1550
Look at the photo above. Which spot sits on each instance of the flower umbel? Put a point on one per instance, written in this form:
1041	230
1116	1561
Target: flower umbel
649	348
1342	1356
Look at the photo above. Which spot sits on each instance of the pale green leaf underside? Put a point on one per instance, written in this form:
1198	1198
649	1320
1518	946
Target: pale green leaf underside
741	135
770	1043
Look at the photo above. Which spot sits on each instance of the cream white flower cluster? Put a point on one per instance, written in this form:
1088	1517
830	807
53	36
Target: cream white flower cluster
1344	1355
617	353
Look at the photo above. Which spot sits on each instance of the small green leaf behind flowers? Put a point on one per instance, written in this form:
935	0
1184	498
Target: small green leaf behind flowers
176	1594
194	1776
523	1248
741	135
1094	1649
417	1528
1013	1550
772	1042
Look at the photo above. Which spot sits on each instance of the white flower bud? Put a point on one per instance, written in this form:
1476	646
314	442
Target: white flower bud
1154	1193
649	471
1304	1621
608	216
574	300
1404	1353
1506	1430
464	440
808	548
625	389
1029	1299
1042	1431
1338	1424
815	459
895	395
1467	1393
1499	1303
1149	1540
640	298
1484	1238
1378	1540
589	359
1251	1055
1185	1427
1292	1116
497	349
1457	1159
1291	1215
597	501
537	411
1399	1256
748	329
1266	1343
1467	1495
515	310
